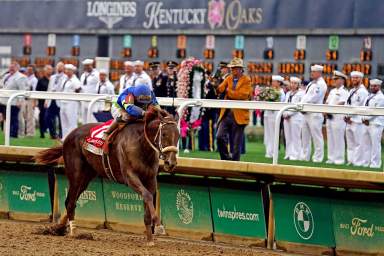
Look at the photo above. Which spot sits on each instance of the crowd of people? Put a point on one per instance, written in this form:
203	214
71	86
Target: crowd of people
358	136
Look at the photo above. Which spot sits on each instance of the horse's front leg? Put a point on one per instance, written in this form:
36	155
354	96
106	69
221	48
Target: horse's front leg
148	225
150	215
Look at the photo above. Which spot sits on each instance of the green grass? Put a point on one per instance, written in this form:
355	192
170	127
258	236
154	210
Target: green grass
255	152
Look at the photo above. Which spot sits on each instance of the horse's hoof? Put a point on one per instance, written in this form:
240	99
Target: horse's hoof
59	230
150	244
160	230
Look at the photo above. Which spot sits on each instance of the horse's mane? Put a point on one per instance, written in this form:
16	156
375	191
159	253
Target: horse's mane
155	115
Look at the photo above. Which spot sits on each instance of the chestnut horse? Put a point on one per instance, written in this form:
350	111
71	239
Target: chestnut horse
134	160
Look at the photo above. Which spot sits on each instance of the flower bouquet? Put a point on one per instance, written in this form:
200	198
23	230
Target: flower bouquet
269	94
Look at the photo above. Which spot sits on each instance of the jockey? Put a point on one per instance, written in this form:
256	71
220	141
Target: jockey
131	105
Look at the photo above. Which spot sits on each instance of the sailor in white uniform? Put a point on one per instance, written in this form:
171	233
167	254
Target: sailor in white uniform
374	125
293	121
89	80
141	77
335	123
126	80
270	116
68	113
354	130
313	122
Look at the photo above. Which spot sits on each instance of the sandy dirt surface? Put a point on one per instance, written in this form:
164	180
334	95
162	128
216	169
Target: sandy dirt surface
21	238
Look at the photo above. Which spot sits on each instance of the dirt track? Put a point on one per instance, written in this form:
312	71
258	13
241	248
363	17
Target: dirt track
20	238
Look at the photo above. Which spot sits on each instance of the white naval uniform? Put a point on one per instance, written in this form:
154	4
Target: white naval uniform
68	109
336	127
104	88
142	78
313	122
269	127
292	127
373	132
125	82
353	132
89	82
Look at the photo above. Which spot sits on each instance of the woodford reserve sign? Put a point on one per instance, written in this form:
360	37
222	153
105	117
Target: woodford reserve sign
171	16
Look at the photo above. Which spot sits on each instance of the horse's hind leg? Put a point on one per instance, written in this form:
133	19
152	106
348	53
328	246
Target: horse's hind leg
78	181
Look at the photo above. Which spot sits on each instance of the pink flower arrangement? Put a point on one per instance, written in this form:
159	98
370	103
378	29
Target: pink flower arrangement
183	86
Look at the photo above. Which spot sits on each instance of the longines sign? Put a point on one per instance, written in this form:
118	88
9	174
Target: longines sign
172	15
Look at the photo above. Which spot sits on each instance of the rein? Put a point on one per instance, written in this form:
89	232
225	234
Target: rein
160	149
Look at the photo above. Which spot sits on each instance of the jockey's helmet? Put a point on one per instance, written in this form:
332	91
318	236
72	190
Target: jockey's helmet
142	93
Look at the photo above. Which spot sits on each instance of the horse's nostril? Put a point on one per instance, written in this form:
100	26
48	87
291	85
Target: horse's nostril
166	162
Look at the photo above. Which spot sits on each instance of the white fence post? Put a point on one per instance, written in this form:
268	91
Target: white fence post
7	131
180	111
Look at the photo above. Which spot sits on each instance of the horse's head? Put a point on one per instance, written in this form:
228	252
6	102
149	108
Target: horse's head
164	138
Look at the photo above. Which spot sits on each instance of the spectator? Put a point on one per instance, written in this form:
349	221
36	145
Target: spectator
141	77
68	109
53	106
126	80
27	111
104	86
293	122
270	117
335	123
313	122
236	86
89	80
42	85
14	80
356	147
374	125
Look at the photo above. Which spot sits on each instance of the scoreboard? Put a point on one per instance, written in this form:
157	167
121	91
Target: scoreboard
263	56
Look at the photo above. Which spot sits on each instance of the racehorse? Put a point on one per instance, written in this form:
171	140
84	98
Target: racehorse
134	160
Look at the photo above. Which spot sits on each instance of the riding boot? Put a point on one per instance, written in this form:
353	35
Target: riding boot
106	134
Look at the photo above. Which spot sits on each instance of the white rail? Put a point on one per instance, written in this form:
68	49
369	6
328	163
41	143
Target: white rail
208	103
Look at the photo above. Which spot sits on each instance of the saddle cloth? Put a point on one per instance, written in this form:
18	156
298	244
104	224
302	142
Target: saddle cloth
94	142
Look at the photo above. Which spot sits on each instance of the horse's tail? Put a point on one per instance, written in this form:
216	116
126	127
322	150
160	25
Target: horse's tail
50	156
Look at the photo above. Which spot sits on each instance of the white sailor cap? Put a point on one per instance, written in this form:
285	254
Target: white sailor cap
88	62
103	71
70	67
317	68
357	74
277	78
338	74
138	63
128	63
294	79
375	82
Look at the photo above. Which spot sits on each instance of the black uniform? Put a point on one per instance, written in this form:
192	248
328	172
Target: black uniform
159	84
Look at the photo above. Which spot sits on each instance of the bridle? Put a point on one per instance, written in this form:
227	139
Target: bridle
160	149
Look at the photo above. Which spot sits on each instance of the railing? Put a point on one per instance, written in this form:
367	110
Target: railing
184	103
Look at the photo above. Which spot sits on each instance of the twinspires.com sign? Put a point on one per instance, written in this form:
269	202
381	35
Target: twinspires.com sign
211	15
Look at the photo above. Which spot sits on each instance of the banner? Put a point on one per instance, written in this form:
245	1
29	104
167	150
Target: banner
28	193
359	226
303	219
238	212
185	208
211	16
123	205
